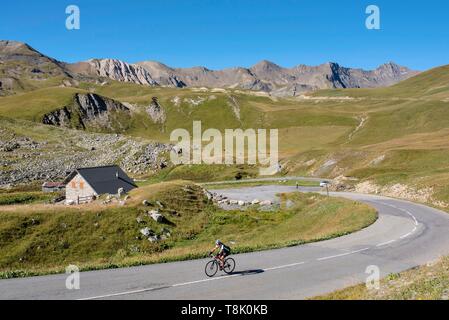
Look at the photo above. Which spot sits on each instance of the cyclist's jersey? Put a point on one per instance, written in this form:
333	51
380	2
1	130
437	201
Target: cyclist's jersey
224	248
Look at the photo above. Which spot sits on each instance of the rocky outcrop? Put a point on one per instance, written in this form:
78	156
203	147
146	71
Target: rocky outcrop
162	74
8	84
114	69
88	111
233	103
156	112
60	117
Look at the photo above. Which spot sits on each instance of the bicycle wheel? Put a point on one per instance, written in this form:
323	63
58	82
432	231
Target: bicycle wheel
229	265
211	268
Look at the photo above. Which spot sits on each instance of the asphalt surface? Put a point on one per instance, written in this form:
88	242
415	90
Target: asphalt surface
405	235
296	178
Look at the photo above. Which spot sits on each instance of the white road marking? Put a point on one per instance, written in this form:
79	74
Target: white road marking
415	221
286	266
119	294
156	288
341	255
386	243
186	283
204	280
406	235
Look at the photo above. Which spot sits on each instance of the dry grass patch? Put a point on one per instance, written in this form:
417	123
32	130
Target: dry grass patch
429	282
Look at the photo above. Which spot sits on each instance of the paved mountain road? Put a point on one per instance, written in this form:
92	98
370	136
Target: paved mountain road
405	235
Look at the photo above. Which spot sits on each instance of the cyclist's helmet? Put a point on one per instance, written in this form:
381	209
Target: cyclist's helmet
217	242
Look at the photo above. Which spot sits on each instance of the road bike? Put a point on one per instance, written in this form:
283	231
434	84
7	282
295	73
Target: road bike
213	266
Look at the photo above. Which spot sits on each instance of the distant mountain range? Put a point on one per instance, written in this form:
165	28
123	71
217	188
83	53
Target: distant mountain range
20	64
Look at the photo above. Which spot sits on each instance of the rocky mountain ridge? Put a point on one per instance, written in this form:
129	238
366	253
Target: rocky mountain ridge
18	59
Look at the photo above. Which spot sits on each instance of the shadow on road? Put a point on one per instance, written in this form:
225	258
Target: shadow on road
247	272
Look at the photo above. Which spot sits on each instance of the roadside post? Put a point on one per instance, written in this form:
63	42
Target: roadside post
325	184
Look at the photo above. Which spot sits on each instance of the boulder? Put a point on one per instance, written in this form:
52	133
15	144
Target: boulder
146	203
241	203
208	195
255	201
266	203
233	201
146	232
156	216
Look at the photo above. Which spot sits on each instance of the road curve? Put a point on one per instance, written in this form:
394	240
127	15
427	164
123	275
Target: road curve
405	235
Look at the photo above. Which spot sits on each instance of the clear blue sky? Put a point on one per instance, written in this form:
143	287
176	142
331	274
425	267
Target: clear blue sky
227	33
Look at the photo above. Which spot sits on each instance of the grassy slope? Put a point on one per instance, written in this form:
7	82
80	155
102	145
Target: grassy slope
432	84
429	282
406	124
215	111
407	121
10	198
33	105
42	238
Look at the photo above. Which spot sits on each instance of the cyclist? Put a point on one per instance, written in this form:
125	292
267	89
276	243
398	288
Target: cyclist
223	252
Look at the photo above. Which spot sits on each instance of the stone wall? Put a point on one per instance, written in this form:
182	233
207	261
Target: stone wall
78	187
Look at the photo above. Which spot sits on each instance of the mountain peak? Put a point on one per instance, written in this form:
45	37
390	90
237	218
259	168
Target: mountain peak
332	65
16	47
4	43
265	65
11	43
390	64
154	64
396	69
